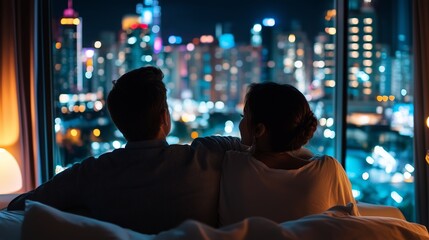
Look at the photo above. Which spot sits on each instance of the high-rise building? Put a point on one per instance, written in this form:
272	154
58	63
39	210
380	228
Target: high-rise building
292	60
233	70
68	46
362	61
263	37
140	40
320	72
326	44
105	68
402	87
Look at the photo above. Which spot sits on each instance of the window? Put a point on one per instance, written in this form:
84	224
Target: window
379	156
210	58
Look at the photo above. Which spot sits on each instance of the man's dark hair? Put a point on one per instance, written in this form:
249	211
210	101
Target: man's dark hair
284	111
136	103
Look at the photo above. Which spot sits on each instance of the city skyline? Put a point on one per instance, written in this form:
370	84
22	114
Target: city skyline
192	18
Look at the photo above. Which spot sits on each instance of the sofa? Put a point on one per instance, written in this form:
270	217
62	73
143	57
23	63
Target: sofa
40	221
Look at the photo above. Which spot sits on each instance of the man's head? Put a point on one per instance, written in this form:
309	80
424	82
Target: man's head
138	104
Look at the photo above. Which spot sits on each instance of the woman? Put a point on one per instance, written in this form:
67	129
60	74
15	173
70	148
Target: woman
277	178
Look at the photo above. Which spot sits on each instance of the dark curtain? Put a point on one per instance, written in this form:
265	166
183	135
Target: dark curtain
25	86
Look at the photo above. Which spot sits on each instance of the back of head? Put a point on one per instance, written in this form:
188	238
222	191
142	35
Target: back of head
136	103
284	111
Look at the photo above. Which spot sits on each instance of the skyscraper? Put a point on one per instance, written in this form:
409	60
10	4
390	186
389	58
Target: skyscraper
68	47
364	83
140	40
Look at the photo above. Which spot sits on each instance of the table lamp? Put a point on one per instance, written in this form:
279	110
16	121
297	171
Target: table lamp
10	173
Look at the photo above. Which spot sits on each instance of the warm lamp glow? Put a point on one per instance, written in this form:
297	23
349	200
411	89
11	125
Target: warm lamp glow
10	174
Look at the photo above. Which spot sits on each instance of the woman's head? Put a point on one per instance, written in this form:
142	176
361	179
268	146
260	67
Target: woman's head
137	104
283	112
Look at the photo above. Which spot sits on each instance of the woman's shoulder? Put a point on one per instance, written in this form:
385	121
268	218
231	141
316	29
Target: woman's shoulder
327	161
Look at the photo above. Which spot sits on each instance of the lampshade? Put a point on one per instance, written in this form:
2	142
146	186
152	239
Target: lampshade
10	173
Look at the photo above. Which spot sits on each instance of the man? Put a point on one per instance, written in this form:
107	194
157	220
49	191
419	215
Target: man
148	186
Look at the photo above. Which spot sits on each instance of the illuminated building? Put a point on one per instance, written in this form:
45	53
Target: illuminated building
234	69
384	70
363	82
266	34
317	89
363	57
140	40
105	68
292	59
325	48
68	70
402	87
208	72
174	67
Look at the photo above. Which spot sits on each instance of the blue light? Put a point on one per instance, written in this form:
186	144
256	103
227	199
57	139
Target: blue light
226	41
174	39
268	22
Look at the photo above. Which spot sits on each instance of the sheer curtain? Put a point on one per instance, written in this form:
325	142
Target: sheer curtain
421	104
17	95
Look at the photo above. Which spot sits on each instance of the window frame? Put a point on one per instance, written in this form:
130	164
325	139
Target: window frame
44	104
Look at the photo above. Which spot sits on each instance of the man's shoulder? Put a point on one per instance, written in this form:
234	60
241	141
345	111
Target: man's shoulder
217	140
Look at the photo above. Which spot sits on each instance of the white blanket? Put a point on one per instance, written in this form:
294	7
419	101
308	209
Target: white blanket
44	222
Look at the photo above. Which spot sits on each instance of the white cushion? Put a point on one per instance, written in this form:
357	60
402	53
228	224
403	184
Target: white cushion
335	224
45	222
369	209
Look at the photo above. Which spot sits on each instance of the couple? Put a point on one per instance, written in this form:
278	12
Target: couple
150	186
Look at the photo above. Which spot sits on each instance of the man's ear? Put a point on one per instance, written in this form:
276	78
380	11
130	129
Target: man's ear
260	130
165	117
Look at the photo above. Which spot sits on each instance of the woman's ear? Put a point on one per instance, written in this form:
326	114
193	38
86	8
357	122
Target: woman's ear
260	130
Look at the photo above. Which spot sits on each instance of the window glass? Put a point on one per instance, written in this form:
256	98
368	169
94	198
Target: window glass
211	51
380	114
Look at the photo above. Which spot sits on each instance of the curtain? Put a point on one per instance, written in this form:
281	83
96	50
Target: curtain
17	100
421	105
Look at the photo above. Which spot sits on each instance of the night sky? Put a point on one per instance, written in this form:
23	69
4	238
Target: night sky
193	18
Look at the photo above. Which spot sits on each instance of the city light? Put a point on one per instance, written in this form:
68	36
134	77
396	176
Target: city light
385	159
367	20
194	134
206	39
268	22
174	39
116	144
257	28
95	145
132	40
370	160
97	44
96	132
356	193
395	196
190	47
70	21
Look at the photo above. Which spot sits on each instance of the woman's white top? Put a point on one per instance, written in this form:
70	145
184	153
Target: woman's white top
250	188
